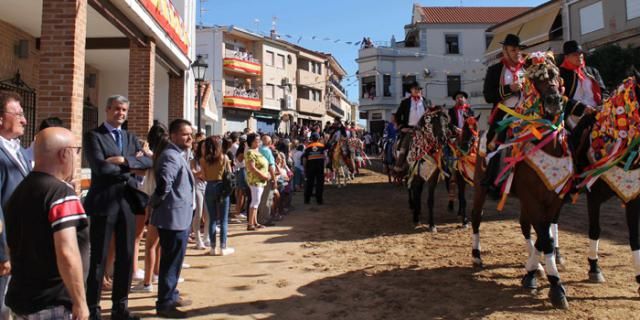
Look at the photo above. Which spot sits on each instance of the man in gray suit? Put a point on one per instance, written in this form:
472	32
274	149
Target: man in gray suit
14	167
173	204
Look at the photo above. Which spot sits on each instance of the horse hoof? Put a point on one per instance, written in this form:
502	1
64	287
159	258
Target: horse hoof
558	297
477	260
432	229
529	281
596	277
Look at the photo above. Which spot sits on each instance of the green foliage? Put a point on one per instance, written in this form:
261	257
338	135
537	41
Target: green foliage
614	63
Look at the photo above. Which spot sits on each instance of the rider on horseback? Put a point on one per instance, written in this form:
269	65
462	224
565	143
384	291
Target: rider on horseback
502	86
407	116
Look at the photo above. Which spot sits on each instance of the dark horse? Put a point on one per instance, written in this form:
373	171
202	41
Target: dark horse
539	205
424	160
461	161
600	191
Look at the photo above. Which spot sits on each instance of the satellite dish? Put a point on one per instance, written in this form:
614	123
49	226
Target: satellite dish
427	72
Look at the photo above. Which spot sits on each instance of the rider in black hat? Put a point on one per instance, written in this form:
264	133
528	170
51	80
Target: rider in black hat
583	85
407	116
502	85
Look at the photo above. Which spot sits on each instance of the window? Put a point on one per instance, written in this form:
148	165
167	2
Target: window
454	84
269	91
313	66
386	85
280	61
452	45
633	9
591	18
406	84
269	59
229	46
319	68
487	40
369	87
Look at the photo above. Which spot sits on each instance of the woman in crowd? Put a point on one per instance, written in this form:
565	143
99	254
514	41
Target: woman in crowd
201	214
242	188
257	176
214	163
283	176
298	174
157	139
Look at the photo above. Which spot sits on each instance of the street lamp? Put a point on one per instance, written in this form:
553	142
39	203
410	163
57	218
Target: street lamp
199	68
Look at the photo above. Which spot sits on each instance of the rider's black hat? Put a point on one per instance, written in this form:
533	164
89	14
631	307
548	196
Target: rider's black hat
512	40
466	95
571	46
416	85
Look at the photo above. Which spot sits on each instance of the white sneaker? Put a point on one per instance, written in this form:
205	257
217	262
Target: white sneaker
139	275
200	245
180	280
141	288
227	251
186	266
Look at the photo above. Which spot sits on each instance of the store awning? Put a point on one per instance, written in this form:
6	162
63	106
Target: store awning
495	45
267	115
537	30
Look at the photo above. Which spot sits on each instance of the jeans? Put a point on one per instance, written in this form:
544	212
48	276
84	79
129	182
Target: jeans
298	177
218	210
51	313
173	246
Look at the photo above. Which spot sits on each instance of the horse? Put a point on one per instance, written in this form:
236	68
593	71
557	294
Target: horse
340	160
424	160
461	163
609	149
539	137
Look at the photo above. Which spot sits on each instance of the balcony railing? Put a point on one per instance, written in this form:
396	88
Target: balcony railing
337	84
244	65
244	56
242	99
337	109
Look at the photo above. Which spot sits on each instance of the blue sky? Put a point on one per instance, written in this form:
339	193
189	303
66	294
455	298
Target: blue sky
337	21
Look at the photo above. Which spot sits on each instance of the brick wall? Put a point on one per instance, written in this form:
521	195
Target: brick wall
141	87
10	63
176	98
62	63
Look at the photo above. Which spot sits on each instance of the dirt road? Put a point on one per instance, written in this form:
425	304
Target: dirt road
358	257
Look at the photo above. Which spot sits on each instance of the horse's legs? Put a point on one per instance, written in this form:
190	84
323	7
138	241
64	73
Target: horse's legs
633	223
432	183
479	197
529	281
448	185
544	243
462	200
416	198
593	208
554	235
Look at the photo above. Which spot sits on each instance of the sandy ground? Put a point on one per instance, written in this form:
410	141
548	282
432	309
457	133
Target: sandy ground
358	257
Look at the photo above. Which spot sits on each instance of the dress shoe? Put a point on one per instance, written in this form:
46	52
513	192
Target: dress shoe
182	302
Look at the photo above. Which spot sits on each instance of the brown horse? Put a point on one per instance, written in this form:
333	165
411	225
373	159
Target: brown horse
461	161
601	190
424	161
539	204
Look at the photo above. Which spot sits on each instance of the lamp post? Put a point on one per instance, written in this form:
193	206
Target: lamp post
199	68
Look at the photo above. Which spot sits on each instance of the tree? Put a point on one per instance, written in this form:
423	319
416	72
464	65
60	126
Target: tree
614	63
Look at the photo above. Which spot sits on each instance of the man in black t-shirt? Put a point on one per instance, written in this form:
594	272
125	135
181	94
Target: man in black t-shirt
48	235
313	160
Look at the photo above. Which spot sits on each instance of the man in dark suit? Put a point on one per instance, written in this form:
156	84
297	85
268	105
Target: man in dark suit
114	155
14	167
583	86
502	85
461	110
173	202
408	115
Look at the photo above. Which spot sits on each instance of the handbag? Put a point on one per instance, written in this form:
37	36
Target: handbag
228	182
137	199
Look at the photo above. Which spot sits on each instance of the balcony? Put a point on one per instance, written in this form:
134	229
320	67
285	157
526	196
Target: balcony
310	106
241	62
336	110
336	84
242	99
310	79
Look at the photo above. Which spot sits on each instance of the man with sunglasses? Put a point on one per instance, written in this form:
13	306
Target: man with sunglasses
14	167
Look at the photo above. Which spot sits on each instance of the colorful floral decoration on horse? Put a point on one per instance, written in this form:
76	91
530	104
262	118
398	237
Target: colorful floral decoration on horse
528	131
427	144
615	138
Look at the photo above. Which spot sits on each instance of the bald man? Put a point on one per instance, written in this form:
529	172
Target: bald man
48	235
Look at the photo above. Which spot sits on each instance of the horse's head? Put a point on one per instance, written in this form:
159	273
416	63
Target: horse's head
544	75
469	130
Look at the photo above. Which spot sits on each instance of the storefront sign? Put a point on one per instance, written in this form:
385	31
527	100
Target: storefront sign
363	115
170	20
